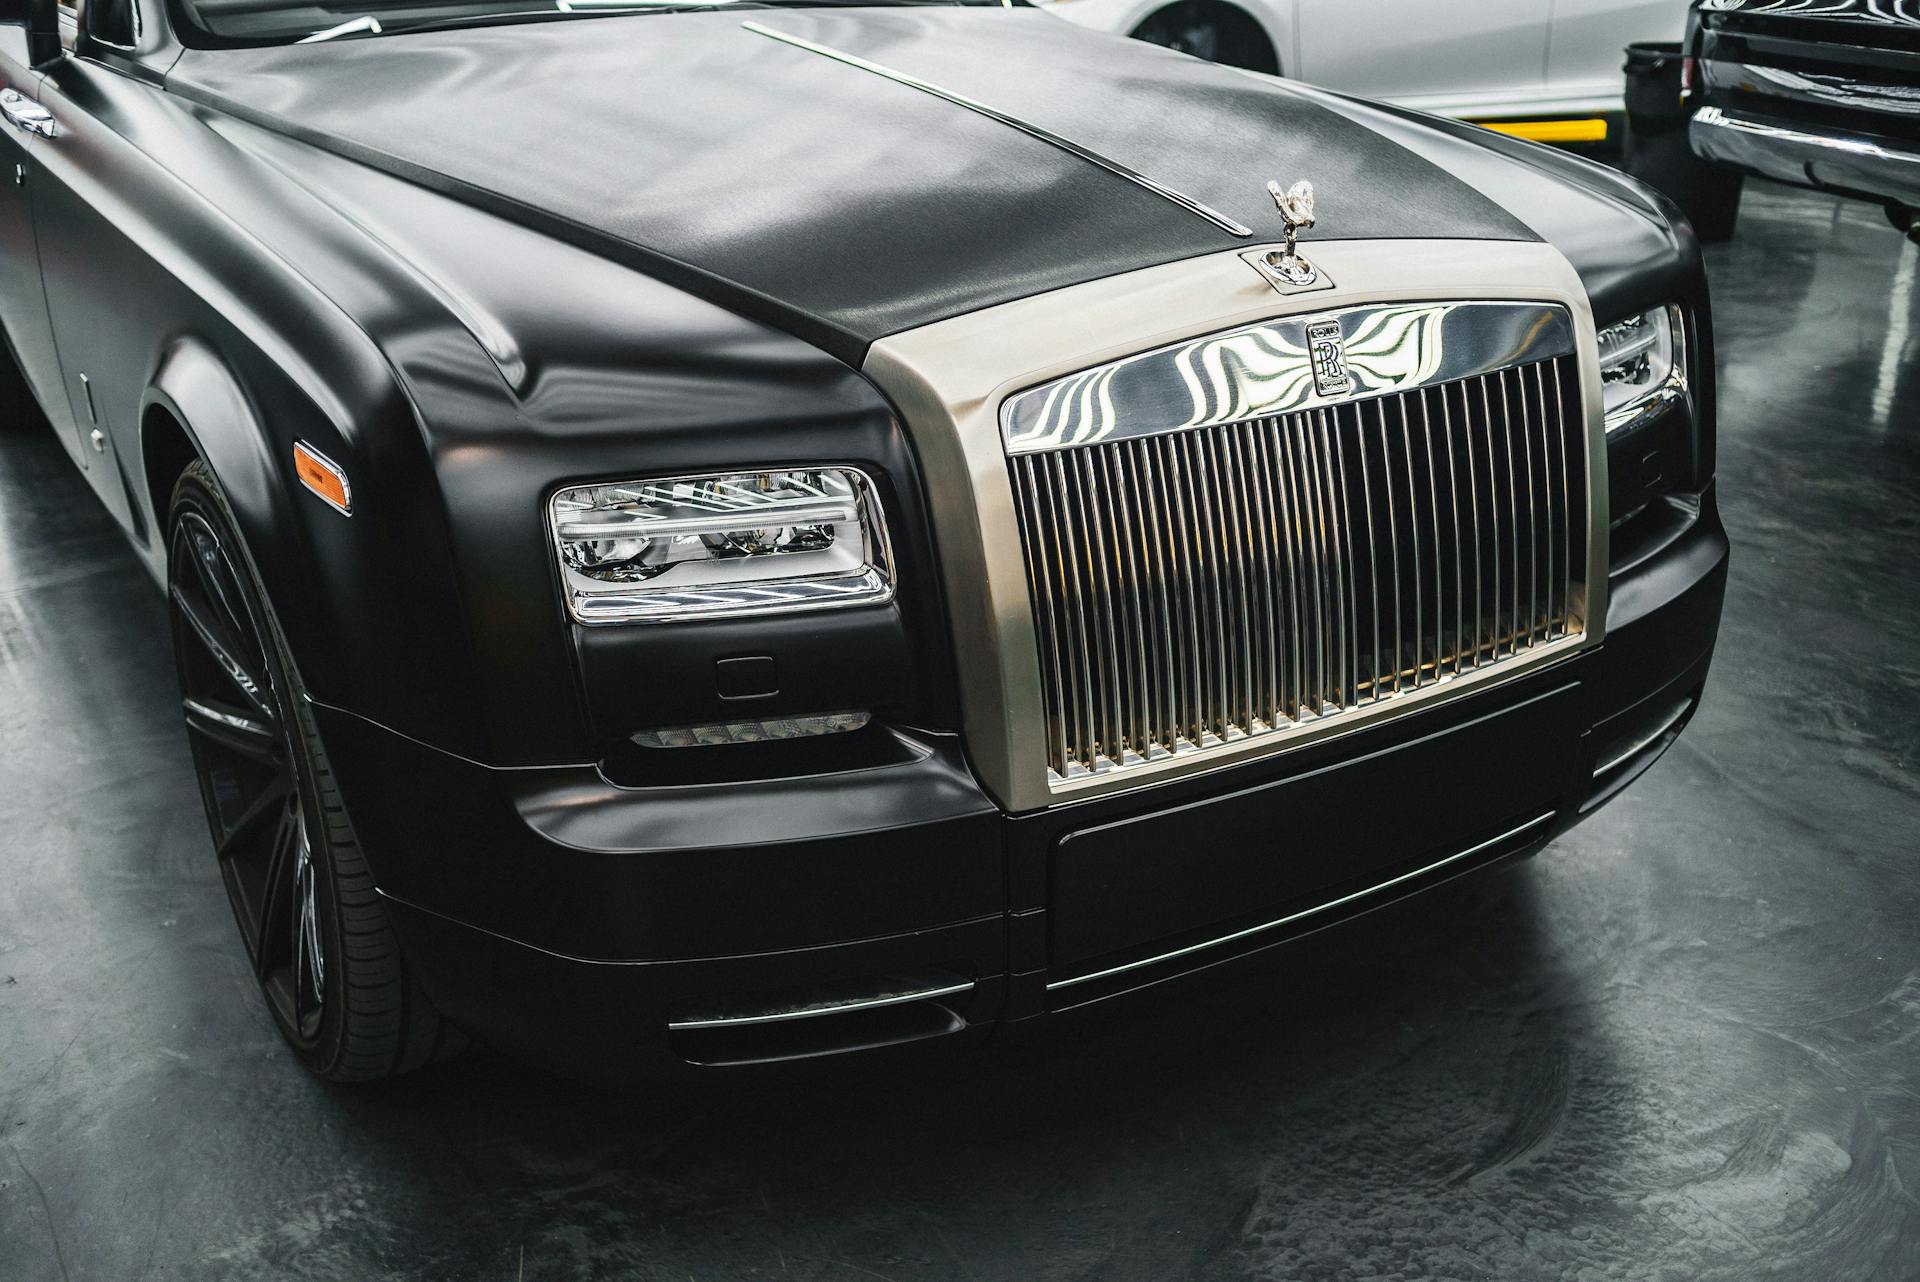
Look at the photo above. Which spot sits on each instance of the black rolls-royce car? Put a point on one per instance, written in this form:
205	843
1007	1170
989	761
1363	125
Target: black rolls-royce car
721	535
1819	93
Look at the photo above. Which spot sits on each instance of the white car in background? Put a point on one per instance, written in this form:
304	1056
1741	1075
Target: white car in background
1553	61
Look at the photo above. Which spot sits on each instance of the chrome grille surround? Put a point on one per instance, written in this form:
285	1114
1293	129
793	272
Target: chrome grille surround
950	380
1219	550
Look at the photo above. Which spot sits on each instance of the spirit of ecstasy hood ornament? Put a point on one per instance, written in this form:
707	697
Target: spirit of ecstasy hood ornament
1296	210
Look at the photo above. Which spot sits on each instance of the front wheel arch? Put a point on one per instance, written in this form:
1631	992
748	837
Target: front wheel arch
166	451
1212	29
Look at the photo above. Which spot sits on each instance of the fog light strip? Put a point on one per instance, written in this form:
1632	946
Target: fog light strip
1502	839
770	730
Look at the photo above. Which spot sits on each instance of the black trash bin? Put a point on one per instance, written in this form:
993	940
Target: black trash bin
1653	86
1658	151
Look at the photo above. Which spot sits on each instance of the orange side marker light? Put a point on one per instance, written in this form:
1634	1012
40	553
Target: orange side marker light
323	476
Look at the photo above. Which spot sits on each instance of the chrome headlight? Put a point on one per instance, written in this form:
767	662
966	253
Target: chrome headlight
1643	366
739	543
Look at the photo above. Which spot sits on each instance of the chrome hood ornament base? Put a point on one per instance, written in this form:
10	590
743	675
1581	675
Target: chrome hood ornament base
1296	210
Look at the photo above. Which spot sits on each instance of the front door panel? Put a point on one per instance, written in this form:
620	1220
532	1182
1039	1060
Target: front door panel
23	303
100	326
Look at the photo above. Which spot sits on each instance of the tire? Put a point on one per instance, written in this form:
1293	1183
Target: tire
318	937
1213	30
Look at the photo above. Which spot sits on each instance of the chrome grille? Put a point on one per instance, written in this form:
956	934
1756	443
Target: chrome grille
1202	585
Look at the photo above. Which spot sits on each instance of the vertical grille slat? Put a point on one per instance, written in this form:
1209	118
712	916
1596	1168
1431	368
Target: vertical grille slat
1490	641
1413	561
1317	536
1533	516
1262	533
1459	640
1203	585
1543	576
1359	435
1567	505
1272	469
1433	512
1040	580
1349	653
1392	540
1513	514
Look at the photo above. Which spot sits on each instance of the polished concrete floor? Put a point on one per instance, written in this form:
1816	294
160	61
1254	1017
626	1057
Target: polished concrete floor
1684	1043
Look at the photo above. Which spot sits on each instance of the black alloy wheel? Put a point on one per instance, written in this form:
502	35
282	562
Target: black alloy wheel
317	936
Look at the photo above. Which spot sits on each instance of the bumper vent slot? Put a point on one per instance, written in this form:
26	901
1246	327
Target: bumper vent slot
829	1020
1261	576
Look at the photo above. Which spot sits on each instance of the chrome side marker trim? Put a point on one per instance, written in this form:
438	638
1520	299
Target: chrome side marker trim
1250	931
1107	163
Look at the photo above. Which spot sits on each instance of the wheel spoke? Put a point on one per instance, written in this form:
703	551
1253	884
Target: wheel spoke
309	955
276	892
215	575
269	805
248	736
223	651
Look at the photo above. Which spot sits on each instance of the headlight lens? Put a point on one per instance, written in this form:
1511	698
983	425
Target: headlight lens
1643	366
693	547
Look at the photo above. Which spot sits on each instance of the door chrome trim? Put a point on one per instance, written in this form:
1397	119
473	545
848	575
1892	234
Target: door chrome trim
24	113
948	380
1032	130
1262	370
1305	913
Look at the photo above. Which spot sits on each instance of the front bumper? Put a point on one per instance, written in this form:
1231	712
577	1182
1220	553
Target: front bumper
1860	165
605	930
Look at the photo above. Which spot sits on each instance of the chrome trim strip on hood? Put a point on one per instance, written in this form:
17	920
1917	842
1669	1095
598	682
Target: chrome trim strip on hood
1032	130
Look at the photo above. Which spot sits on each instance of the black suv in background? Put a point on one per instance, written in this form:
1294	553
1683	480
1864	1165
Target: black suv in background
1820	93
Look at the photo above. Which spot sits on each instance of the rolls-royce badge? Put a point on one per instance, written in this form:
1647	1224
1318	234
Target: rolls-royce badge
1329	350
1296	210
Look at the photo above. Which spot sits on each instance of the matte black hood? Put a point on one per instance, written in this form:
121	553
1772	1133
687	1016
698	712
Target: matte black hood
825	198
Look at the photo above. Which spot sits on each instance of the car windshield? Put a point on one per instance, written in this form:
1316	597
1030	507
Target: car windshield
247	22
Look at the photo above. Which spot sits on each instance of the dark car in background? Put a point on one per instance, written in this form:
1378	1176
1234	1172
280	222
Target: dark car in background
757	532
1819	93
